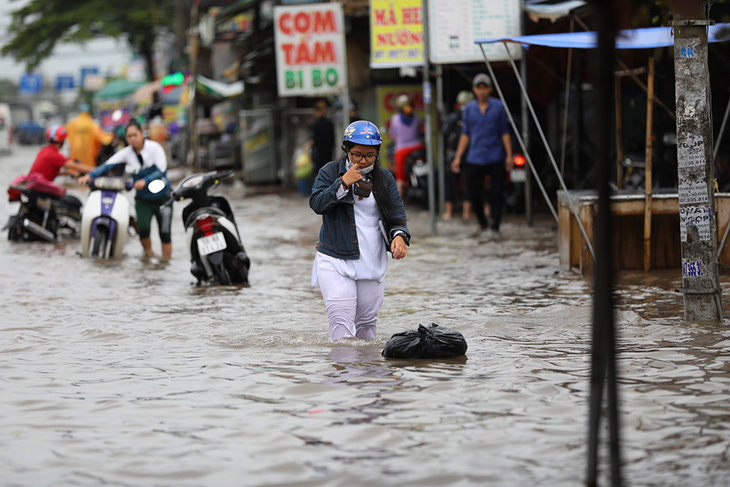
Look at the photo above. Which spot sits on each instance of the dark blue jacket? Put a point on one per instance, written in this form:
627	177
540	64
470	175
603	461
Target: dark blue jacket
338	235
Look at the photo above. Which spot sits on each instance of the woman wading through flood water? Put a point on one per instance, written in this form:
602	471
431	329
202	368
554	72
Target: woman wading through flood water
361	208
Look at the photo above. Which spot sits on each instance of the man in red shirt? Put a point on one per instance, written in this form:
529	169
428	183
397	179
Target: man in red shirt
49	162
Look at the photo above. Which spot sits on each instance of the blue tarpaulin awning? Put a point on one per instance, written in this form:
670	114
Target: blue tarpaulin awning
647	38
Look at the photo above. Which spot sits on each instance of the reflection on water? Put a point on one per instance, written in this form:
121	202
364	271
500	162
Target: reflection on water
126	373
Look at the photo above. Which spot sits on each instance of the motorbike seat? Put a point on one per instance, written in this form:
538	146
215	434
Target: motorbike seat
36	182
190	217
71	202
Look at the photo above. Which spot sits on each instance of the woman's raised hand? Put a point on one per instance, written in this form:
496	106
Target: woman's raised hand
352	176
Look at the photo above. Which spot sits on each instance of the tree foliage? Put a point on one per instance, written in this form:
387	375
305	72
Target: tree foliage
39	25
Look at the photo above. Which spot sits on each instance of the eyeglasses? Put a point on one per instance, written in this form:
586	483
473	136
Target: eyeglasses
357	157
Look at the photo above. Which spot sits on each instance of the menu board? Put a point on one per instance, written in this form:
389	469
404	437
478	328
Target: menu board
454	25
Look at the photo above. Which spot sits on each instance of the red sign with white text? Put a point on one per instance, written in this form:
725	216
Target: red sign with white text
310	49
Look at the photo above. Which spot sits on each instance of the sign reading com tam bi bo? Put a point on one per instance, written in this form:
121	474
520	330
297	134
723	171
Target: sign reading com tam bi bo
396	33
310	49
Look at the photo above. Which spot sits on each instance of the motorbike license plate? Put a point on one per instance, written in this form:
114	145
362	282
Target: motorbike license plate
211	243
420	170
518	175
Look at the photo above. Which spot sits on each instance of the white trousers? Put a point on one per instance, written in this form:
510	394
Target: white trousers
352	305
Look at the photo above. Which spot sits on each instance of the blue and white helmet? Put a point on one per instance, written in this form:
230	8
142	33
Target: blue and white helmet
362	132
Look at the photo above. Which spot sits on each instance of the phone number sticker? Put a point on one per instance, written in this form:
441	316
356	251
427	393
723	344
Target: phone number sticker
697	216
692	192
692	268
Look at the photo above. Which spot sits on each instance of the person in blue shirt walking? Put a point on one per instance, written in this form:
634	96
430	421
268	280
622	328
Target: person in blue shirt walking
145	160
487	137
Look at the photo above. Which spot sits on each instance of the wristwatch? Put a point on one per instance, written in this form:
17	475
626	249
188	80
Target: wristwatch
344	186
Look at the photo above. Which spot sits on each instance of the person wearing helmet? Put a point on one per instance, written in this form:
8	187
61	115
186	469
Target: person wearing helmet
487	138
50	163
86	137
405	131
452	132
363	218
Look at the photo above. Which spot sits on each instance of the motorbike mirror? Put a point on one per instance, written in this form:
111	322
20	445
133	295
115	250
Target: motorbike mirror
116	115
156	186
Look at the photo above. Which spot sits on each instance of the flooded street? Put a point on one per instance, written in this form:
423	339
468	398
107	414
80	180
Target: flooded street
127	374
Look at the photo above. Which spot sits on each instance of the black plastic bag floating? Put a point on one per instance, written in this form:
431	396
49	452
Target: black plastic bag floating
432	342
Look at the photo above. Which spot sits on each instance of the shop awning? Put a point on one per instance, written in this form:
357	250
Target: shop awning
647	38
217	89
208	91
143	94
118	88
553	11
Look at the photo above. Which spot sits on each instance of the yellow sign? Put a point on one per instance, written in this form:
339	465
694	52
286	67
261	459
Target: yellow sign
396	33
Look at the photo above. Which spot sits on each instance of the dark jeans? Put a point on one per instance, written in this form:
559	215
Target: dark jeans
474	185
451	179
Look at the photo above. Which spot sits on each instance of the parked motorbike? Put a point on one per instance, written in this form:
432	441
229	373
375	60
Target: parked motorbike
216	249
45	210
417	172
514	201
106	218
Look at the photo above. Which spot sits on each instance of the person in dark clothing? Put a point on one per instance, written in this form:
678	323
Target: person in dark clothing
322	138
452	132
487	138
354	114
155	108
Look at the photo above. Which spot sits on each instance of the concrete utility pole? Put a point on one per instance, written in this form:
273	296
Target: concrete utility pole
427	113
697	214
192	105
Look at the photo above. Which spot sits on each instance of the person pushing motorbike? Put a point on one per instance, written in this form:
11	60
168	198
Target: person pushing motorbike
50	163
146	161
45	207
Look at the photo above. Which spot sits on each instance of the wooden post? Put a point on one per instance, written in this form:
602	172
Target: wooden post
619	136
427	115
649	144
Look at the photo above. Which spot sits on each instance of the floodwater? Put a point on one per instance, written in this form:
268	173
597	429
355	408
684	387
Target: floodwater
126	374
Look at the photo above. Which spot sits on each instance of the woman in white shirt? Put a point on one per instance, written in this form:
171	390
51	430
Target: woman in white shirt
145	160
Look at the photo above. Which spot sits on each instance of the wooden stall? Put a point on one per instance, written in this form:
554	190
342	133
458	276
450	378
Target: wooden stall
662	250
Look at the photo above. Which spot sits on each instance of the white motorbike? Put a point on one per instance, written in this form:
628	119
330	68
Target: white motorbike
105	219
